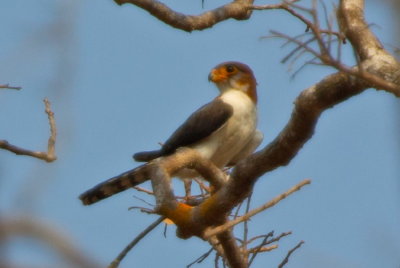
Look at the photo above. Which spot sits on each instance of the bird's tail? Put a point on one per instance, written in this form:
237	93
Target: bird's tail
113	186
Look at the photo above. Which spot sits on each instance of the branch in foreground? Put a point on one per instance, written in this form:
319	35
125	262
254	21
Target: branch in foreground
48	156
53	238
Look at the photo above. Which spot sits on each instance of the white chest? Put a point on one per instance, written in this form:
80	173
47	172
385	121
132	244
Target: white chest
229	140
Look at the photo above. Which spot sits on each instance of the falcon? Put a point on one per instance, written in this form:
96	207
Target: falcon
222	131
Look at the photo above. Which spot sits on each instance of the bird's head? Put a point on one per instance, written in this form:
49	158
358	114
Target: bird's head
236	76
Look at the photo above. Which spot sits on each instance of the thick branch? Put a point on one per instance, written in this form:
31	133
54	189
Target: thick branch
238	9
352	24
231	250
162	169
372	56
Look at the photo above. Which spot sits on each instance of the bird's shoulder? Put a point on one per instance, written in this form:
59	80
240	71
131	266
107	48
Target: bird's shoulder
202	123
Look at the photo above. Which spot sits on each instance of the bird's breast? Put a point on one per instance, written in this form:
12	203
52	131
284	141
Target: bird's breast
230	139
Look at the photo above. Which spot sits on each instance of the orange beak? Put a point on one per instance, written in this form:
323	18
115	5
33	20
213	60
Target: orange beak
217	75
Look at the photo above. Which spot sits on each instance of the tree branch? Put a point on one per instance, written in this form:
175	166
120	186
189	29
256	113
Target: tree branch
7	86
238	9
115	263
29	227
210	232
231	250
286	259
376	68
48	156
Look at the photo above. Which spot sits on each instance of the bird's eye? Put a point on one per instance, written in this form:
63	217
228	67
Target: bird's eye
230	69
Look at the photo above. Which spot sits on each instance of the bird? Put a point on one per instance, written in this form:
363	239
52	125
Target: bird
223	131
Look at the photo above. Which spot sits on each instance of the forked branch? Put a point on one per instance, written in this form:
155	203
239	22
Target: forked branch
48	156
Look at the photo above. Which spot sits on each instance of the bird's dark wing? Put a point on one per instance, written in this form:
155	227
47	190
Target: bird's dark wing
198	126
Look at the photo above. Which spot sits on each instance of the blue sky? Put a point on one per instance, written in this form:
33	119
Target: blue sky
121	81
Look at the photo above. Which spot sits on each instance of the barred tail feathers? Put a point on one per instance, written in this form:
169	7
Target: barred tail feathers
113	186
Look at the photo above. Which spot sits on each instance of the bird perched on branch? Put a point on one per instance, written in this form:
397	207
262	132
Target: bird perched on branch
222	131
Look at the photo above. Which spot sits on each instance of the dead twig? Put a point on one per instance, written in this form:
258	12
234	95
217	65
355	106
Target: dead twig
115	263
213	231
48	156
7	86
201	258
286	259
262	249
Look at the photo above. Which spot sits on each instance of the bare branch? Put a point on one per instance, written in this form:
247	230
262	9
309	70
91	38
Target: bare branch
376	68
256	250
351	22
7	86
48	156
262	249
286	259
232	252
260	236
201	258
53	132
141	189
210	232
53	238
353	26
115	263
237	9
276	239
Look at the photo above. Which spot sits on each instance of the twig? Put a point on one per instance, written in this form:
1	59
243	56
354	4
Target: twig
257	250
7	86
286	259
53	132
115	263
165	230
213	231
279	237
262	249
48	156
245	224
201	258
202	186
144	210
261	236
141	189
216	260
324	53
144	201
